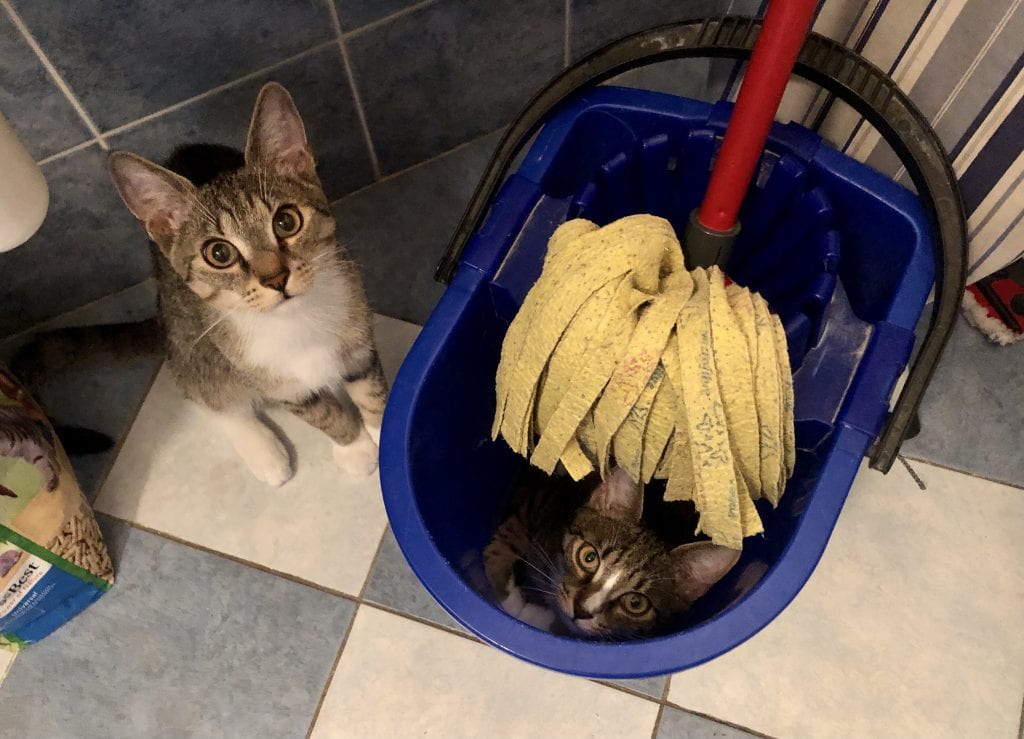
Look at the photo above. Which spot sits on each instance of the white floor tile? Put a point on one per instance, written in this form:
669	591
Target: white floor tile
178	475
909	627
6	660
400	678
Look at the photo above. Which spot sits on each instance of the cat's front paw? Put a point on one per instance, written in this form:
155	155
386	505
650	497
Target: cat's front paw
514	602
359	458
271	465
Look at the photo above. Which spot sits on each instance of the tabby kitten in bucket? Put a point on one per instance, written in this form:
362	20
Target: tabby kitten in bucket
259	303
579	557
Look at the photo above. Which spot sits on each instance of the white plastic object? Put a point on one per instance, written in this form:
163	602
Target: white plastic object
24	196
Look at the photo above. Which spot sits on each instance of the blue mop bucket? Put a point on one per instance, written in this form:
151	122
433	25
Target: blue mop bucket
846	257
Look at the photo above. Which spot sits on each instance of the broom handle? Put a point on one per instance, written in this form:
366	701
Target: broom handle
785	28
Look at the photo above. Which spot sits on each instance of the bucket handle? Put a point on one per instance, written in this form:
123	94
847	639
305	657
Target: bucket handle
842	72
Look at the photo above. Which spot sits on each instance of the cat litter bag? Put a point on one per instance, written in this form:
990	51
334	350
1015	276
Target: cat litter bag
53	562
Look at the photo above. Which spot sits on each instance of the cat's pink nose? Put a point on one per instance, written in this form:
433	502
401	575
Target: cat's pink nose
275	282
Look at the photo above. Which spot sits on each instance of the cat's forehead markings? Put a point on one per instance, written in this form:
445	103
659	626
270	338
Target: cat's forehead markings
594	600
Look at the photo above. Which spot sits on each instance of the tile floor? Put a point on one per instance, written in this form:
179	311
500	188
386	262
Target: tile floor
242	611
245	611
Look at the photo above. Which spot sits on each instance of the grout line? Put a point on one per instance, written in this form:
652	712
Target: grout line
709	717
231	557
386	19
119	445
657	721
423	621
411	167
605	682
71	150
42	325
373	561
354	88
966	473
1020	734
913	474
567	40
661	707
358	600
219	88
54	74
7	670
330	675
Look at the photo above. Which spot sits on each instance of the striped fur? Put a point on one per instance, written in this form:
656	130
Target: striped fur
582	553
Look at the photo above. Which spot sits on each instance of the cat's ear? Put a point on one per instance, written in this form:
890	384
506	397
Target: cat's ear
618	497
277	138
160	199
696	567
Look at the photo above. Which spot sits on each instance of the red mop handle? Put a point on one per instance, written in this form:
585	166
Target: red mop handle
782	35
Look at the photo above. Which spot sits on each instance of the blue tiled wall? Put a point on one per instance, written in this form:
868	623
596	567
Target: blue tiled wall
382	85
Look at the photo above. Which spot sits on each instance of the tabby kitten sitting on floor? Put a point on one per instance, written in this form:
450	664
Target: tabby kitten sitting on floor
578	556
259	303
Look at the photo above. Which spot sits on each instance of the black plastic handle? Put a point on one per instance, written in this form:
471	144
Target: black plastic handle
852	78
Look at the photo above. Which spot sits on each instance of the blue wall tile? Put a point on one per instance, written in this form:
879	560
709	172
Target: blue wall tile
39	113
126	59
398	229
89	246
453	70
321	91
356	13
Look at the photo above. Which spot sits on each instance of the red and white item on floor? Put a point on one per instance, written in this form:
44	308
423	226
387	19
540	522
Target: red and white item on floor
995	305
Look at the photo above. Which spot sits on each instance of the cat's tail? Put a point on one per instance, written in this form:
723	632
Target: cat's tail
51	353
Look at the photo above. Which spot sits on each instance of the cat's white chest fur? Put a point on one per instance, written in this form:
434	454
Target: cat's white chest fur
302	353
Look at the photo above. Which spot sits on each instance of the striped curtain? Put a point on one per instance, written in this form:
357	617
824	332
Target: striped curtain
962	63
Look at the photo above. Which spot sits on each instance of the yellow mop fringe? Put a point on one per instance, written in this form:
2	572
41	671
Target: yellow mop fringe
621	356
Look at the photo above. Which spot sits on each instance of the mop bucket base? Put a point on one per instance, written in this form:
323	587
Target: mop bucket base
841	253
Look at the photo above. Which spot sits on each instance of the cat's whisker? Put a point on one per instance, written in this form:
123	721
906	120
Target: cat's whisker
213	325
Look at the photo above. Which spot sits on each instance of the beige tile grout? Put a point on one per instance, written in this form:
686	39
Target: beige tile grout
55	76
372	25
357	99
70	150
219	88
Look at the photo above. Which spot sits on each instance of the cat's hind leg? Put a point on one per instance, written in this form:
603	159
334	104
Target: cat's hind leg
257	445
355	452
365	383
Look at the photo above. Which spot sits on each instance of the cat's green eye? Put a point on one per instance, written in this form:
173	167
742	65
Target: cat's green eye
587	558
635	604
287	221
219	254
